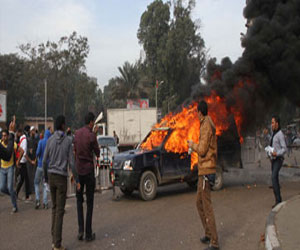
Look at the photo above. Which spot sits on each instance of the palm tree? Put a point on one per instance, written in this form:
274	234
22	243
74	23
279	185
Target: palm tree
128	84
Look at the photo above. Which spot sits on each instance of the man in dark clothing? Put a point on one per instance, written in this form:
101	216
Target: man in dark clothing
22	161
85	144
116	137
32	144
279	149
6	152
57	157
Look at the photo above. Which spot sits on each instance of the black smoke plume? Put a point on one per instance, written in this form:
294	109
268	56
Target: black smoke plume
269	66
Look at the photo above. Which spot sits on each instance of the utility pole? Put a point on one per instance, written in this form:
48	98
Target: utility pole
45	104
156	88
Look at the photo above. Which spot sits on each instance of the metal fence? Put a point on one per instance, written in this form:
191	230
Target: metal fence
102	173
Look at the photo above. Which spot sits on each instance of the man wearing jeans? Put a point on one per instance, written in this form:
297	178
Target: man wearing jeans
6	152
279	149
39	172
57	157
85	145
7	174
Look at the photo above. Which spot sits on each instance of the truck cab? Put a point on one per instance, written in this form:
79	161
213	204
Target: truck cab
144	171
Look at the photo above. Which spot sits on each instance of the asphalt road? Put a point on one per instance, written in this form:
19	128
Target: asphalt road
169	222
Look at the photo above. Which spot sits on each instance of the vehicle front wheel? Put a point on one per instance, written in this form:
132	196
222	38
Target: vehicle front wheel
126	191
148	186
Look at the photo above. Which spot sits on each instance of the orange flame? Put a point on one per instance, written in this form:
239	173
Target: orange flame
186	125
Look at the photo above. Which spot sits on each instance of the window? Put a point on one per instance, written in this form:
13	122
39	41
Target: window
107	141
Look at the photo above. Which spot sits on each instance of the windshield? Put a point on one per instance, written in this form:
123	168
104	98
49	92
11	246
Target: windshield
107	141
154	139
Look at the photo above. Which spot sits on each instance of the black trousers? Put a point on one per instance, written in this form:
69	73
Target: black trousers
87	181
24	177
276	166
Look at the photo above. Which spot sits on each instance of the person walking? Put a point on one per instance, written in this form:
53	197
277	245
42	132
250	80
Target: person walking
58	156
85	145
39	174
207	159
32	144
116	137
7	174
6	152
22	158
279	149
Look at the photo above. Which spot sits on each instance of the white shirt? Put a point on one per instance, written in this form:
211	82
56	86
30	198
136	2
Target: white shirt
23	145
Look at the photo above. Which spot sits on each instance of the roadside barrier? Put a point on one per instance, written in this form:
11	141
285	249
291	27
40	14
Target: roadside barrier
102	173
103	177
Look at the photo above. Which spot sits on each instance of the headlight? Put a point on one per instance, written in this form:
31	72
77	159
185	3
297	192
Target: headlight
127	165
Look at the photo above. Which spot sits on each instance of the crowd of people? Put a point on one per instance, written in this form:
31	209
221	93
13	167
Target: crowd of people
45	161
59	151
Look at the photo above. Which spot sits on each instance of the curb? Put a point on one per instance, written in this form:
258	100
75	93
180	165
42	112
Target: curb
271	239
271	236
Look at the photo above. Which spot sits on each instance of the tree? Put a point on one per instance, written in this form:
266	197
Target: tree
88	97
70	90
129	85
59	63
153	33
175	51
14	77
109	100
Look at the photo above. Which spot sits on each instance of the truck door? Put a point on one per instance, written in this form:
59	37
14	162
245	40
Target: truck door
174	165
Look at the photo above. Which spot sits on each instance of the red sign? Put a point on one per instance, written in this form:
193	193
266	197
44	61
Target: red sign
137	103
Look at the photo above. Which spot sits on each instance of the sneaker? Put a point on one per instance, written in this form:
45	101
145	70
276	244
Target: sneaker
205	240
90	238
45	206
60	248
37	204
80	236
14	210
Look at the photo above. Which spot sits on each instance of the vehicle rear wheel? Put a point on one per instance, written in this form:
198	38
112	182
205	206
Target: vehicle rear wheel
219	180
126	191
148	186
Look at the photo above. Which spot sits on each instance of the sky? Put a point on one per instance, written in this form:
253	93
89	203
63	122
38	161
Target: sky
111	28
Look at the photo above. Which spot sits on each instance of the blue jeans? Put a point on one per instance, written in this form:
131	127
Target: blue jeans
276	166
7	183
38	179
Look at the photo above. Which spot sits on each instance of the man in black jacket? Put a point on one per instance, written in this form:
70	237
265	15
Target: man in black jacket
5	153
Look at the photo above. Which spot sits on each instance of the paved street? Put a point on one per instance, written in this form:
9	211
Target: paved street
169	222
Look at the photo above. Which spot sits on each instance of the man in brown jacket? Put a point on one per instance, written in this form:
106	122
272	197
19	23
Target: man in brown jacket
207	159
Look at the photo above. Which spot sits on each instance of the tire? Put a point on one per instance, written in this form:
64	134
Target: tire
148	186
219	180
126	191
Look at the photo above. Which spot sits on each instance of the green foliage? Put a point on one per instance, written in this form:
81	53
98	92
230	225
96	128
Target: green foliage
174	50
153	35
62	64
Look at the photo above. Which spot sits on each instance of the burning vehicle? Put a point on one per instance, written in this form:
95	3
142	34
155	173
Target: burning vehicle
162	158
